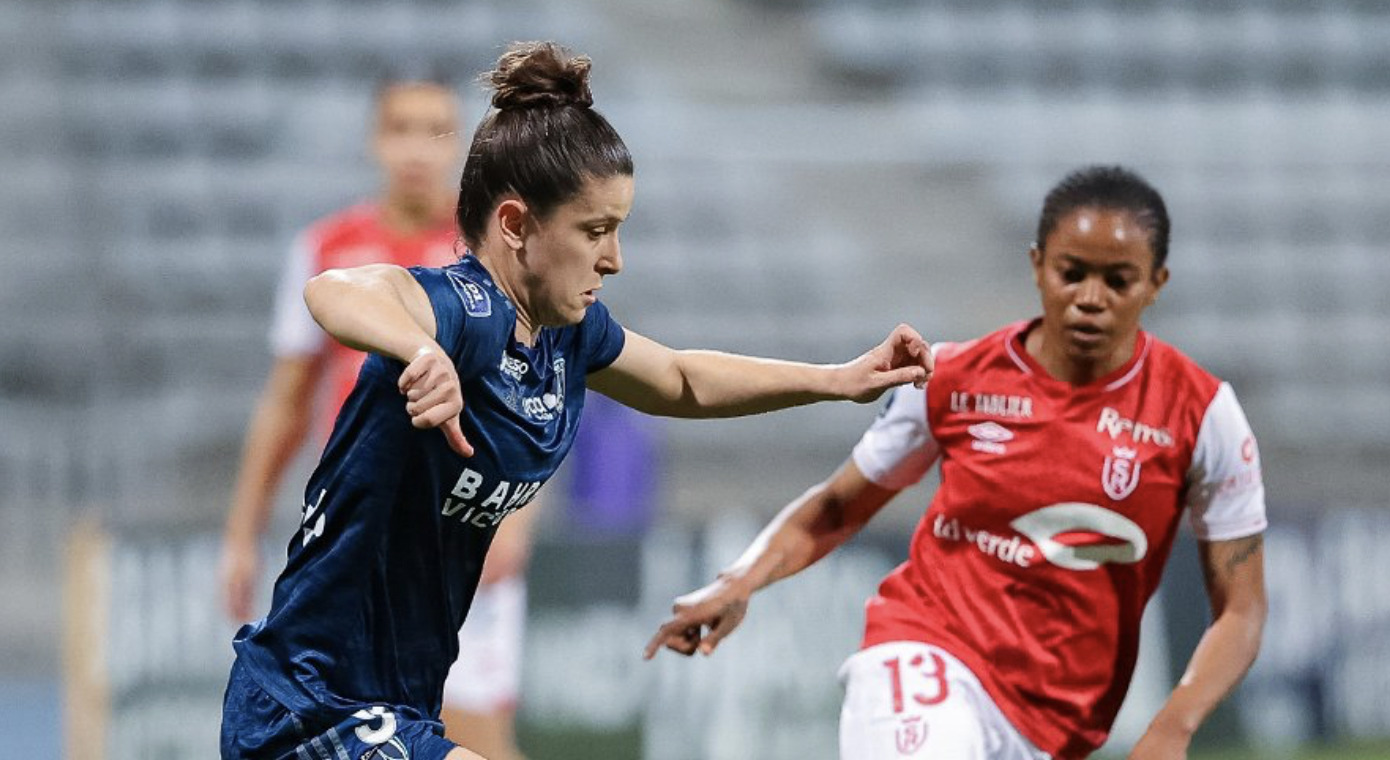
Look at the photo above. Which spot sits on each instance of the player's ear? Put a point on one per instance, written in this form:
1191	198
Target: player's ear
1035	257
1160	279
512	216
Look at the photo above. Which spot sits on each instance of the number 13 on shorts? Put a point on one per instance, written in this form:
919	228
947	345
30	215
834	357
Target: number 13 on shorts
906	699
933	676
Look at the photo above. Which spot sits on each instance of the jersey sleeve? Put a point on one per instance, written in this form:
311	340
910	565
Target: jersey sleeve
601	338
898	448
293	331
465	316
1225	490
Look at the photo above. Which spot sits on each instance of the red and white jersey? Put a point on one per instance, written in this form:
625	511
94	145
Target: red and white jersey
1057	509
352	237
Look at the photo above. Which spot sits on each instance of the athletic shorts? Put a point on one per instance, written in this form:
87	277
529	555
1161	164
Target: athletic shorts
487	675
254	725
906	699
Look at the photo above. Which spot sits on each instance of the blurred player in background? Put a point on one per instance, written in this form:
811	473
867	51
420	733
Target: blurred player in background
1070	446
399	514
416	142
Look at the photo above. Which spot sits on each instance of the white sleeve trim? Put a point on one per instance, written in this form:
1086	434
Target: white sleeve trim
293	331
898	448
1225	489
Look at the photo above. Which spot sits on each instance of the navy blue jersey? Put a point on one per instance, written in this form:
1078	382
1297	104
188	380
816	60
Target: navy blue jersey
395	524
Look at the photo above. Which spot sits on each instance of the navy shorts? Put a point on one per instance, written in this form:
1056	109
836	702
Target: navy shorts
254	725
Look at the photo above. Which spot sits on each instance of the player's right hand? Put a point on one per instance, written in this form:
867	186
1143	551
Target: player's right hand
701	619
434	398
239	569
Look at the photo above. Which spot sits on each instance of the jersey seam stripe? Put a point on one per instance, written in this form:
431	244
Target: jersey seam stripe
338	745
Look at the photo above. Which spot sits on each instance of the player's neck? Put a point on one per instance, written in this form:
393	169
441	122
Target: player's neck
407	215
1050	352
504	279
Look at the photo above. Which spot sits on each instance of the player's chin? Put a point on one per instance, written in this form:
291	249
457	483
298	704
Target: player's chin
575	314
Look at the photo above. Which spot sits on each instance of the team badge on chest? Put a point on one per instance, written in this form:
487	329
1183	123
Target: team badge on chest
1120	476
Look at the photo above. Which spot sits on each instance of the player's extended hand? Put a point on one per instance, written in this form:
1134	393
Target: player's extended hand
904	357
238	570
701	619
433	395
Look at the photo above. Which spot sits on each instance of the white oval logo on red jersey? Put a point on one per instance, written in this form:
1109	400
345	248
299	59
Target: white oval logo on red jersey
1080	536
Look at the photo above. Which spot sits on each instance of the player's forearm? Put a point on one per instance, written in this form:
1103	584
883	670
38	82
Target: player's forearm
277	431
1222	657
364	309
799	536
717	384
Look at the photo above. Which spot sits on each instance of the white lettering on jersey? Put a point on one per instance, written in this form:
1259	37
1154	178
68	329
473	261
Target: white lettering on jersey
504	498
1007	549
1080	536
467	485
1120	475
1112	424
992	404
513	367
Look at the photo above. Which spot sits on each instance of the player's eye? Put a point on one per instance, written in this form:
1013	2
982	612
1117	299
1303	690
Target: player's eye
1118	283
1073	275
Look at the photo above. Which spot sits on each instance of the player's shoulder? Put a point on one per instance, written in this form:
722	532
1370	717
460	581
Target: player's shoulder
1179	372
971	354
345	226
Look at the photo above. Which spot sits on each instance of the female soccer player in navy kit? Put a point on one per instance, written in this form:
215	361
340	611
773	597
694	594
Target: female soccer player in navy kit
1070	447
397	518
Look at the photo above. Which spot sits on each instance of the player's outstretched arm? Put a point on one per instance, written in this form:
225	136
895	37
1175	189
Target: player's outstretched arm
1234	575
805	530
652	378
278	428
381	308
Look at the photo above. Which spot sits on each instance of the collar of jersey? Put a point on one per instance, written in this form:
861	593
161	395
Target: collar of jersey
1117	378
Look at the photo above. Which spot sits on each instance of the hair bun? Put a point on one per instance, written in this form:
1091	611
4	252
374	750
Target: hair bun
540	75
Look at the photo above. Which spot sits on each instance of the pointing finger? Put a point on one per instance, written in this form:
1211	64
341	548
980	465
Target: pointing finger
453	433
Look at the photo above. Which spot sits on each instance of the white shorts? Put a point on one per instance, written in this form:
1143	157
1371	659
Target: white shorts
906	699
487	675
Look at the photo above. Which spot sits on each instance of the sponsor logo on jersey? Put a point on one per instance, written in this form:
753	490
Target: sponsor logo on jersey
513	367
543	408
1120	475
315	530
1070	535
990	437
476	302
1080	536
992	404
483	503
1009	549
1112	423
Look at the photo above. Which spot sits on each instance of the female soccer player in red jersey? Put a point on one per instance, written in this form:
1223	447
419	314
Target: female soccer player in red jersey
1070	446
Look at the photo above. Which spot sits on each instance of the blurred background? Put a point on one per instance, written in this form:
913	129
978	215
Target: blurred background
809	173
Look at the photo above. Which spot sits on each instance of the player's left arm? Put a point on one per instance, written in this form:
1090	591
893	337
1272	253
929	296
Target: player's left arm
1234	575
652	378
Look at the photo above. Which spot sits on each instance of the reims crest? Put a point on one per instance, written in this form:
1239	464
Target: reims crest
1120	476
912	734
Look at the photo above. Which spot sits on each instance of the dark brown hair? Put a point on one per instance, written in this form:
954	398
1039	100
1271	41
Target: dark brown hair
1108	187
541	140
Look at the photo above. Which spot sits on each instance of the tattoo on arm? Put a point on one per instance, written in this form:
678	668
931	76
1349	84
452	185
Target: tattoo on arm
1241	551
